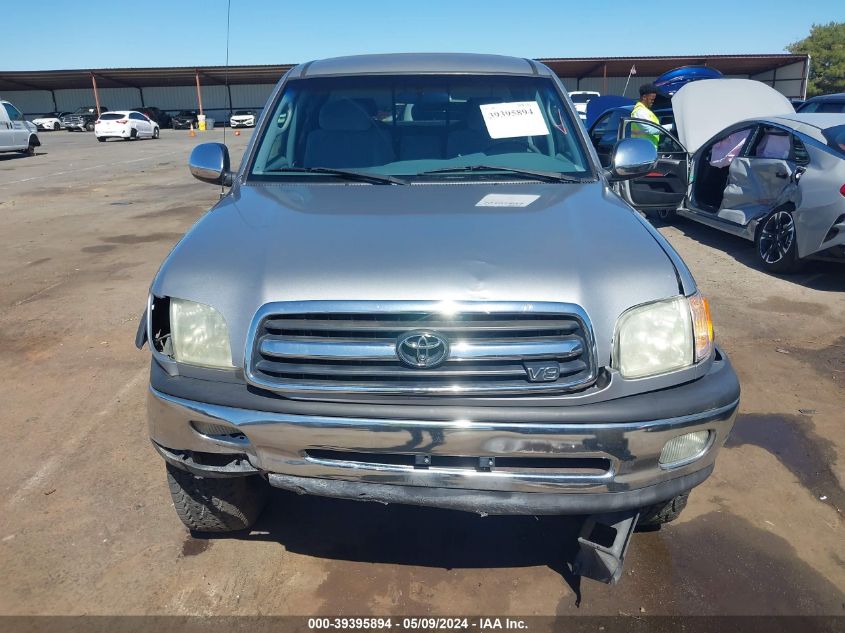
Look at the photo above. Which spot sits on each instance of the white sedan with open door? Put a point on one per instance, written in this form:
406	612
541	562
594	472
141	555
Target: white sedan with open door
745	163
126	124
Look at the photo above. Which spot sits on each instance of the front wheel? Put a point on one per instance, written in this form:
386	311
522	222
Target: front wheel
155	132
216	504
663	512
56	127
776	243
89	127
29	151
102	139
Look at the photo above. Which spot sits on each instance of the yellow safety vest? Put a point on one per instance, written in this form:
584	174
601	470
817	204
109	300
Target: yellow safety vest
640	111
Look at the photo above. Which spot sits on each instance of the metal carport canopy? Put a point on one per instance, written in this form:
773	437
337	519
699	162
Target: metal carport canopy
270	74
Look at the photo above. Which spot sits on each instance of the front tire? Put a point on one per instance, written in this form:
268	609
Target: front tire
102	139
776	243
29	151
56	127
663	512
89	127
212	504
155	132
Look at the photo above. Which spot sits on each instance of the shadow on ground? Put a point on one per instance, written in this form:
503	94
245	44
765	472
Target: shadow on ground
717	563
823	276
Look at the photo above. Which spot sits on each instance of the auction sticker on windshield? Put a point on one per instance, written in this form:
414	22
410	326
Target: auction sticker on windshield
509	120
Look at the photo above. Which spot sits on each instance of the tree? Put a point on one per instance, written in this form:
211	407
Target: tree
826	47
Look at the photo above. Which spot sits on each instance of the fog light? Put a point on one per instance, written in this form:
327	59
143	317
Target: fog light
684	448
214	429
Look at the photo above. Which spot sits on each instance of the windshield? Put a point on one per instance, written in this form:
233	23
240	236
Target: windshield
243	112
407	126
112	117
581	98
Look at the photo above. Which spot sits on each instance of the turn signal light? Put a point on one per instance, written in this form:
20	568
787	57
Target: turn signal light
702	326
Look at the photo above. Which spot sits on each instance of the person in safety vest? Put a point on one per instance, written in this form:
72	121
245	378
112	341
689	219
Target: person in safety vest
642	110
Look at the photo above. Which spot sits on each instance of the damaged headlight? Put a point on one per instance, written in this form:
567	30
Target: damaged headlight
199	334
657	338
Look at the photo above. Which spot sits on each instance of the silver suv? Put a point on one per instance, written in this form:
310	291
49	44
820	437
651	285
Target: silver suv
421	289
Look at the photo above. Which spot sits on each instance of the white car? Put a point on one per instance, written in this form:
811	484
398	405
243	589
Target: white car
126	124
243	118
16	134
580	99
50	121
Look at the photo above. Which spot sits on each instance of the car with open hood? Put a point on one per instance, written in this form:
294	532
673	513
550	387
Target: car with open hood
420	288
741	160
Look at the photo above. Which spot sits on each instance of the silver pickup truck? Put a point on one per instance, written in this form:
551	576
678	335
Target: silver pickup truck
421	289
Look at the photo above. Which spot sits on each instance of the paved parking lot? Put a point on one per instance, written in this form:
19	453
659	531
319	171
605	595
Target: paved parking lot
87	526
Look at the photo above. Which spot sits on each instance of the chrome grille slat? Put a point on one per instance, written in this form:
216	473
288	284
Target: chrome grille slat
396	370
317	349
397	326
386	350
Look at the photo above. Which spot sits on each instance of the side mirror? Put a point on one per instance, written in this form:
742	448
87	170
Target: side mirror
632	158
209	162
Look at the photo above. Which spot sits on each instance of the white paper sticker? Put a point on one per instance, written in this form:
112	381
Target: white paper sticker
509	120
506	200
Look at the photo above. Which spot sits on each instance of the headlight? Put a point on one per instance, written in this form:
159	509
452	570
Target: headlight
199	334
664	336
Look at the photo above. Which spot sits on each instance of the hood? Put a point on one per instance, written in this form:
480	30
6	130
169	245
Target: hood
705	108
599	105
673	80
460	242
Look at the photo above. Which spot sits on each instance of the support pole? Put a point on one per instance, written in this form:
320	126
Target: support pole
605	79
55	106
229	90
141	92
96	94
199	91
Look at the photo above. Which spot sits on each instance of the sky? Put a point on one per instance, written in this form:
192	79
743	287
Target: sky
44	35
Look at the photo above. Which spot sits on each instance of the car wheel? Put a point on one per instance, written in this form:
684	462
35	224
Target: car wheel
133	134
102	139
89	127
56	127
776	243
216	504
155	132
664	512
29	151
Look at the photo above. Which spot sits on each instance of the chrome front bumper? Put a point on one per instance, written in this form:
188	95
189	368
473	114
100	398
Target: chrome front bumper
278	445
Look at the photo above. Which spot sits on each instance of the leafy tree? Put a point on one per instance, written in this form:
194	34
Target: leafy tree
826	47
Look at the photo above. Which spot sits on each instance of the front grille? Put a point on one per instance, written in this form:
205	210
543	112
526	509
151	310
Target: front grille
515	349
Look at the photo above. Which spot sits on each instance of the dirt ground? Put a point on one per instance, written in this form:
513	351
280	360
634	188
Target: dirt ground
87	526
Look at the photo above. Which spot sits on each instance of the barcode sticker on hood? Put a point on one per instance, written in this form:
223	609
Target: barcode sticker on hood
506	200
509	120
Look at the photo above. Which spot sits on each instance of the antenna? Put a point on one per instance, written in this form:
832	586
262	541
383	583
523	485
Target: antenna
226	80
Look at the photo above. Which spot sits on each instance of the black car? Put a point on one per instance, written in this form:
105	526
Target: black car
826	104
83	118
162	118
184	119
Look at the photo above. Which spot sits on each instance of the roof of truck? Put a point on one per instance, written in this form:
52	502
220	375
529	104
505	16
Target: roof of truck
421	63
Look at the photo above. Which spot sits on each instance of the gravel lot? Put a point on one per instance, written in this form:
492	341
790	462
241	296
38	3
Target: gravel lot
87	527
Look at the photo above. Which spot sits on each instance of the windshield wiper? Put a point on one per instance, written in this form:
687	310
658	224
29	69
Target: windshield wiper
378	179
548	176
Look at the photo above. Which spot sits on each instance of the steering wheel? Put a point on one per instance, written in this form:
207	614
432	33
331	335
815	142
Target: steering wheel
508	146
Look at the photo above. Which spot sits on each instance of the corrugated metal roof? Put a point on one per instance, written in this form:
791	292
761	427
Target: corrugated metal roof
270	74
